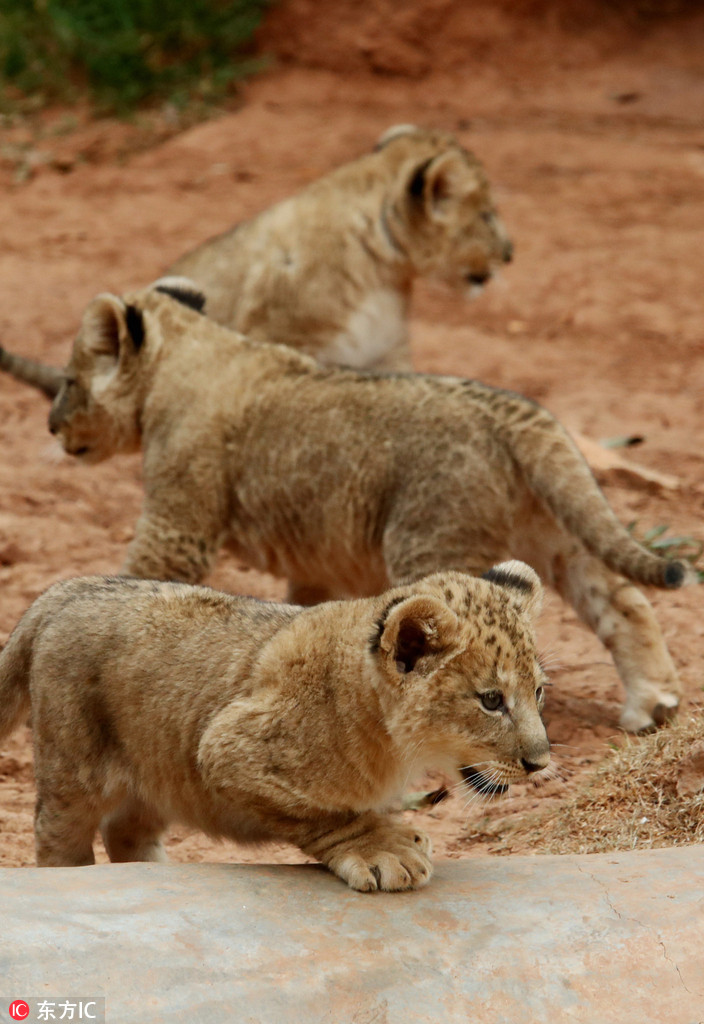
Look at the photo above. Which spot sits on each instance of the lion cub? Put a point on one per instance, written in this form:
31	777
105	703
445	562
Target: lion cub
159	702
330	270
345	482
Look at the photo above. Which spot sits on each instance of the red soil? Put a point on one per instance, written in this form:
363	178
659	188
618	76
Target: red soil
590	126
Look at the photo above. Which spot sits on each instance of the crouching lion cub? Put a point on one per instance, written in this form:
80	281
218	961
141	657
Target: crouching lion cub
345	482
158	702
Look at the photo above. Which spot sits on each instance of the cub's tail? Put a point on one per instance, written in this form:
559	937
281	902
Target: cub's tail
15	666
556	472
40	375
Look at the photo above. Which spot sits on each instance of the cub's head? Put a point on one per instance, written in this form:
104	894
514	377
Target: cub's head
97	408
440	212
464	687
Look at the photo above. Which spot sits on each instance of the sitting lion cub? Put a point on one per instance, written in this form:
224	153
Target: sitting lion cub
345	482
330	270
158	702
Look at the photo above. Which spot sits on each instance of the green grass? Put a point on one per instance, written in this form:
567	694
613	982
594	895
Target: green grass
124	53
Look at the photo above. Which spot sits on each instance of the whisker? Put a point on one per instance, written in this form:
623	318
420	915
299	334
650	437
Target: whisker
494	777
554	771
467	767
549	656
474	797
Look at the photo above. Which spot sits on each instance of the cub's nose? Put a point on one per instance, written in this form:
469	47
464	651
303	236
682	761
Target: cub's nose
481	277
535	766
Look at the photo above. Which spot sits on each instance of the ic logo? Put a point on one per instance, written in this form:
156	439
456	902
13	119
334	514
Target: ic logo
19	1010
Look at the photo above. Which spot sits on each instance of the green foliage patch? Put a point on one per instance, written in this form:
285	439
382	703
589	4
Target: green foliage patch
126	52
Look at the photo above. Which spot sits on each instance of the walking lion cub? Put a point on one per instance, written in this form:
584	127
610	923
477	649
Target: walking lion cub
158	702
347	483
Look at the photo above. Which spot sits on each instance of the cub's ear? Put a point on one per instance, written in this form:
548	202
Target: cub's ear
393	133
523	583
435	183
109	326
415	631
183	290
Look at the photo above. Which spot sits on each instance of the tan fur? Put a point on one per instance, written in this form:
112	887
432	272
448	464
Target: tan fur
347	483
43	377
329	271
158	702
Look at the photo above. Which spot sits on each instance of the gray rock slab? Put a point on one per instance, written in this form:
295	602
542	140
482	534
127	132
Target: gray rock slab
602	939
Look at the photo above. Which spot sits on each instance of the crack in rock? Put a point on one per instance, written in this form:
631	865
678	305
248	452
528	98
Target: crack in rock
619	917
674	964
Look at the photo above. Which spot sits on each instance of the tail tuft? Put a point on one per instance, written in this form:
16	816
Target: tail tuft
675	574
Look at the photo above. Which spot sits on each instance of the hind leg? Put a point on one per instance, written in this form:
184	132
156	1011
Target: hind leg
624	620
133	832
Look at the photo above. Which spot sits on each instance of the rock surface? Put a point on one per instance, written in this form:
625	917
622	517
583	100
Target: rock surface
604	939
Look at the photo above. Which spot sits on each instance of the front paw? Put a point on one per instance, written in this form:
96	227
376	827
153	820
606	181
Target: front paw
391	863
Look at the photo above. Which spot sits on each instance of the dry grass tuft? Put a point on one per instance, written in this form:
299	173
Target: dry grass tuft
648	793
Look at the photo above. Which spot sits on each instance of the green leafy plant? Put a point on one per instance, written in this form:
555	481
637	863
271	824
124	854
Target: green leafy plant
126	52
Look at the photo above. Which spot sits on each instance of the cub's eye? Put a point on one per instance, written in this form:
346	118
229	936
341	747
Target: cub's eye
539	695
487	216
492	700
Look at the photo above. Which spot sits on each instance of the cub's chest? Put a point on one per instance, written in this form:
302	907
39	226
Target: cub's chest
375	328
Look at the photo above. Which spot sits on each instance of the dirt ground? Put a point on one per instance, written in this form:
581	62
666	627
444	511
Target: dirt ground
591	129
